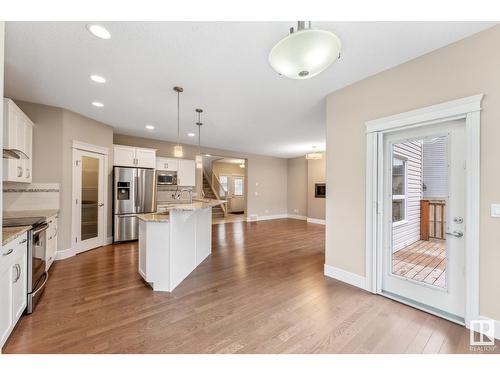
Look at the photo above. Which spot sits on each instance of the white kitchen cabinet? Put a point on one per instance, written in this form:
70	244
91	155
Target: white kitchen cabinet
186	173
19	286
5	305
17	135
146	158
13	285
167	164
126	156
51	241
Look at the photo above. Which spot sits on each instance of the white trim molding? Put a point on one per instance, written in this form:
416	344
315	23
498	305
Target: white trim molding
253	218
447	111
64	254
89	147
345	276
316	221
297	217
466	108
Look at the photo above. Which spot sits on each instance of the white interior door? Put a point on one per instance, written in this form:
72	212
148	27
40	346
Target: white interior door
423	249
88	199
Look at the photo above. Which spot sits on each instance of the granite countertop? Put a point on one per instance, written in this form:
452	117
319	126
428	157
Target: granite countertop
154	217
30	213
11	233
197	204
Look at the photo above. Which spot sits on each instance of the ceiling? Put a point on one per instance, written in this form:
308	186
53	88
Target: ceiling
231	161
222	67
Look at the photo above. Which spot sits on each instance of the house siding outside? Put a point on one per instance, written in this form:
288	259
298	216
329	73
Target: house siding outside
435	169
406	234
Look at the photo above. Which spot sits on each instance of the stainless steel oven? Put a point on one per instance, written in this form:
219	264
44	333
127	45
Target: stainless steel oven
166	177
37	275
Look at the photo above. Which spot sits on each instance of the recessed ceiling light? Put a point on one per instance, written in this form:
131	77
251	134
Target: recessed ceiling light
150	127
98	79
191	134
97	104
208	155
99	31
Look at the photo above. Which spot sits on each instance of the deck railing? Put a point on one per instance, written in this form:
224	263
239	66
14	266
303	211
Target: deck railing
432	219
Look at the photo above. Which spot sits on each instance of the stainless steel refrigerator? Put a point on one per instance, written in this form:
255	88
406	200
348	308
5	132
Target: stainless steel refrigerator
134	193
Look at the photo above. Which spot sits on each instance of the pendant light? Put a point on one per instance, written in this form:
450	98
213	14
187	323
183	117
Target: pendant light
178	152
199	158
305	53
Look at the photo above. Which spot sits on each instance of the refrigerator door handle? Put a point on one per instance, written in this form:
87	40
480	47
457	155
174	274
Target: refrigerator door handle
136	191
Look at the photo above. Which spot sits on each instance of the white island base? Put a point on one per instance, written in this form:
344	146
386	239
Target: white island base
172	245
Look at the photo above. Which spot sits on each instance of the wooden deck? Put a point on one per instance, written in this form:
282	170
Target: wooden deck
423	261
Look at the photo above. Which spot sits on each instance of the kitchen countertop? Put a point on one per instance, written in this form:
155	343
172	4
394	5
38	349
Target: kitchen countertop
197	204
162	215
154	217
11	233
30	213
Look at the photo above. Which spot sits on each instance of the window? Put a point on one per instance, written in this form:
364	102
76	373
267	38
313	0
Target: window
238	186
398	189
223	185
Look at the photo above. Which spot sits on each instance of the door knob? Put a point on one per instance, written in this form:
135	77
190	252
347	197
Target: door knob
456	233
101	205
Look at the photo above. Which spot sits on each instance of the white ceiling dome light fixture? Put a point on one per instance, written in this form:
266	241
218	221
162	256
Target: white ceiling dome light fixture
97	104
305	53
98	31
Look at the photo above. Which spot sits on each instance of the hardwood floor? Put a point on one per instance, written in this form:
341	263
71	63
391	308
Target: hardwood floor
261	291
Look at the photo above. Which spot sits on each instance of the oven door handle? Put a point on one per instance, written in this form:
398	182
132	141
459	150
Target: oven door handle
35	292
40	229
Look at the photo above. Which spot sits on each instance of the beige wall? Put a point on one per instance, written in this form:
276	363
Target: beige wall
53	135
302	175
266	176
220	168
316	174
83	129
465	68
297	186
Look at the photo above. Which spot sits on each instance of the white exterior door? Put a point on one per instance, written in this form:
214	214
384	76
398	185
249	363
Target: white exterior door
236	197
88	200
427	271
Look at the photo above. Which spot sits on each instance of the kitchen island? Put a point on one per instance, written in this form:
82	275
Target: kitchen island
174	241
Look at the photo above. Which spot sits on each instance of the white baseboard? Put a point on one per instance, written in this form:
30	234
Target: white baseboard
253	218
316	221
497	326
298	217
345	276
64	254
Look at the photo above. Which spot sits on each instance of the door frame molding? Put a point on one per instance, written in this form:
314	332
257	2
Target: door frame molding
468	108
82	146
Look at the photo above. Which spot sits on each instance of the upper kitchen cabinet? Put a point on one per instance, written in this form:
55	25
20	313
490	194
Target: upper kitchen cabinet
186	174
17	140
167	164
126	156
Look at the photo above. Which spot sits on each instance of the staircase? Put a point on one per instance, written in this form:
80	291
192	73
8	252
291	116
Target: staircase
217	211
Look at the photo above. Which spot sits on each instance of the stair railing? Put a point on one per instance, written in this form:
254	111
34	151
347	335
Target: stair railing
215	185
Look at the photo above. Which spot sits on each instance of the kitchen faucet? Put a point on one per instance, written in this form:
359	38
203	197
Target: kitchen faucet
177	194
